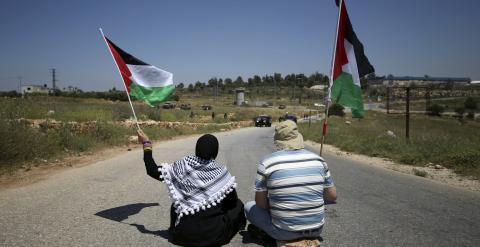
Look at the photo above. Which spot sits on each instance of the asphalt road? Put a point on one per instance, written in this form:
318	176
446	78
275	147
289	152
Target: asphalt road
114	203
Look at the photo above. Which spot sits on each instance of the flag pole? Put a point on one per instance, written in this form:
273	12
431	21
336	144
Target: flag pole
330	84
120	73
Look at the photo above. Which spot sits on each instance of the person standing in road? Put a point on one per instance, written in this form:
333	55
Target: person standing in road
291	187
205	208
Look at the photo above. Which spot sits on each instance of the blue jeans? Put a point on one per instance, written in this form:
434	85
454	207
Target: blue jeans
262	219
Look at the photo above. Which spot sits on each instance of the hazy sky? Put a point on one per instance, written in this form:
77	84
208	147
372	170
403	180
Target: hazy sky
197	40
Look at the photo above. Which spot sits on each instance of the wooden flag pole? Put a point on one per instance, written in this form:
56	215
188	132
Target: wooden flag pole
120	73
330	84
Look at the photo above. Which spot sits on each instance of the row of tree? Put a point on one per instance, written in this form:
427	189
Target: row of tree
298	80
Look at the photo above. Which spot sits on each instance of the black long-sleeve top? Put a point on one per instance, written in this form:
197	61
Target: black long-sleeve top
151	166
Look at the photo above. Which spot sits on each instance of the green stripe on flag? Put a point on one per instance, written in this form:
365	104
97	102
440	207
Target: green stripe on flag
346	93
152	96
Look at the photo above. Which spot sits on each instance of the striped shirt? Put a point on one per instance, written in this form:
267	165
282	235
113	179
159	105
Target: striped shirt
295	180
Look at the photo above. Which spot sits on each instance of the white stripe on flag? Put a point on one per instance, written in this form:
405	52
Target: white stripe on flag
351	66
150	76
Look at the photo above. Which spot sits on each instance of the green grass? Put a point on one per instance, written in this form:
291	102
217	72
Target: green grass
82	110
442	141
420	104
22	145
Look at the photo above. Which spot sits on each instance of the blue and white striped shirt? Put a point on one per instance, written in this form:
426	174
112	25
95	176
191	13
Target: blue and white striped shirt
294	180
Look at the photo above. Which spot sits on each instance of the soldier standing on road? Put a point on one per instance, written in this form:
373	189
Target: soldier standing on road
285	208
225	116
213	115
205	208
191	114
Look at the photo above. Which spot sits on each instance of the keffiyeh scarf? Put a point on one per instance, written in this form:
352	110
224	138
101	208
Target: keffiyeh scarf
196	184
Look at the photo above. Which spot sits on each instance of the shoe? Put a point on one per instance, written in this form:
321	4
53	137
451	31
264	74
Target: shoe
258	233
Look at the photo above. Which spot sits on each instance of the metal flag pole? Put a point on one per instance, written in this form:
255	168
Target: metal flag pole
120	73
330	83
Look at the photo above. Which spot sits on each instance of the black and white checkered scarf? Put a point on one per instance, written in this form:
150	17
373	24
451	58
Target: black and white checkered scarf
196	184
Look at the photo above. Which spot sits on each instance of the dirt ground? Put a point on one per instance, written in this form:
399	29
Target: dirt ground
438	173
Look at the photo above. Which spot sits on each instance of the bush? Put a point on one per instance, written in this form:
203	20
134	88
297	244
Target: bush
435	110
460	111
419	173
336	110
471	115
470	103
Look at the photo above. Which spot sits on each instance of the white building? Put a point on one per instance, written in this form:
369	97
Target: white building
36	89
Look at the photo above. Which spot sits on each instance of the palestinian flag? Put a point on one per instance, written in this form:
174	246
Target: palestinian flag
143	81
349	66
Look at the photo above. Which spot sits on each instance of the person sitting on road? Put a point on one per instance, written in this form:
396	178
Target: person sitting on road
205	209
291	187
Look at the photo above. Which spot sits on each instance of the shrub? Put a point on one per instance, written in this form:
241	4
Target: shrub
419	173
336	110
471	115
460	111
435	110
470	103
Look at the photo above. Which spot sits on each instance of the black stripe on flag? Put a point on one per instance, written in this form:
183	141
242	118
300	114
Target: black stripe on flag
127	58
364	66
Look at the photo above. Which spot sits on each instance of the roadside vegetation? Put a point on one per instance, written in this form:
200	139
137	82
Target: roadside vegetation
61	131
438	140
23	146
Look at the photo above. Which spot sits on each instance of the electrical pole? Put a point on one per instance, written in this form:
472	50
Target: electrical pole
216	90
388	100
54	80
407	115
20	84
274	90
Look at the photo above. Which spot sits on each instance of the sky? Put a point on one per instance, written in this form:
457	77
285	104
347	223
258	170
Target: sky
198	40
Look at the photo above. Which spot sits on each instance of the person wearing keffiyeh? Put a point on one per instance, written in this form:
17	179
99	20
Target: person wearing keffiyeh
205	208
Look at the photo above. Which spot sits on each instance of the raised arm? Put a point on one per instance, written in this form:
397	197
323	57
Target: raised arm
150	165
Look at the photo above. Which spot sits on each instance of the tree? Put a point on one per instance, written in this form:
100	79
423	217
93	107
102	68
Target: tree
180	85
239	81
212	82
199	85
257	80
228	82
277	77
190	88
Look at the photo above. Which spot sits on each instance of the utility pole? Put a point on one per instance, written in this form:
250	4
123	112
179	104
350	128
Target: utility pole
54	80
407	115
427	99
20	84
388	100
274	90
216	90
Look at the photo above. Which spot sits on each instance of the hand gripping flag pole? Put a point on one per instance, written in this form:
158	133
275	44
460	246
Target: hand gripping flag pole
120	73
330	82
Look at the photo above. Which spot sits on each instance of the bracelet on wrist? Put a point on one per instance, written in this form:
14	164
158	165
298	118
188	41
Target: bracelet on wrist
146	142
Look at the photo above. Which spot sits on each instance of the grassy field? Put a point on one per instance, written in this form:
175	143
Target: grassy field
23	145
443	141
449	104
82	110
